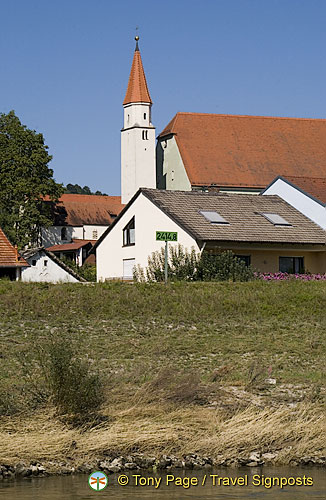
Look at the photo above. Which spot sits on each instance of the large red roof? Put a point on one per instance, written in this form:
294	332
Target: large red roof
80	209
248	151
9	256
137	90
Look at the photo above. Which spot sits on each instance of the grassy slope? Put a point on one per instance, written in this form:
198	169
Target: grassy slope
217	343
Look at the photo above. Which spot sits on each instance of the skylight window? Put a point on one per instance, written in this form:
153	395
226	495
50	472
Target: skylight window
276	219
213	217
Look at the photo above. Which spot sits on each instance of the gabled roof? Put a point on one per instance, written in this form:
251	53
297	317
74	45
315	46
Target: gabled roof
81	209
33	251
137	90
242	212
9	256
248	151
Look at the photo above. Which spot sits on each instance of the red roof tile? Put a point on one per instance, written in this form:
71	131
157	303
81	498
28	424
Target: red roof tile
80	209
315	186
248	151
9	257
74	245
137	90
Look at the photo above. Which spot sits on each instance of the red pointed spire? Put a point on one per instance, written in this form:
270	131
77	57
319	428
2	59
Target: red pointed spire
137	90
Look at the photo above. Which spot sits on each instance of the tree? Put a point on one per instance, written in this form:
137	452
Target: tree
25	180
77	189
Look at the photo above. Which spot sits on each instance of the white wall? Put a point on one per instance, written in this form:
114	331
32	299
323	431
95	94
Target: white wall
303	203
88	232
52	235
171	173
133	114
148	219
50	273
137	154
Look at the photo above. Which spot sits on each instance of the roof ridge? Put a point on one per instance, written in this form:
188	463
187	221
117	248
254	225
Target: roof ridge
249	116
63	265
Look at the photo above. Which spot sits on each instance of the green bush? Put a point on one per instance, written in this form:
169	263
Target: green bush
182	265
185	265
73	387
223	267
86	271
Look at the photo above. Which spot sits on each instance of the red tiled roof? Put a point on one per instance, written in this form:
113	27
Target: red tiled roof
248	151
80	209
137	90
315	186
9	257
74	245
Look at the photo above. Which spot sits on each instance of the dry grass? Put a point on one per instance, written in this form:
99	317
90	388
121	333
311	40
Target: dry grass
157	429
219	341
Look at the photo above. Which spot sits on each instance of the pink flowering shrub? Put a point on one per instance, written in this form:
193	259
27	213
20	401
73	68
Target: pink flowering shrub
286	276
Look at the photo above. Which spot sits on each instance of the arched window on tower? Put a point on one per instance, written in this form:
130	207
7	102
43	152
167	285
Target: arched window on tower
144	135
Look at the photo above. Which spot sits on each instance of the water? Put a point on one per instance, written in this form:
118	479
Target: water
76	487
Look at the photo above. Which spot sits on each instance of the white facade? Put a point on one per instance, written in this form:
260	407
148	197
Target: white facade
114	259
137	150
308	206
52	235
44	269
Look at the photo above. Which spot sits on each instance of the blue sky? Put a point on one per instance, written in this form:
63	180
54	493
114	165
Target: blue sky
65	68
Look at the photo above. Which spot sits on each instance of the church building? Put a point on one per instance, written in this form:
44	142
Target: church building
211	152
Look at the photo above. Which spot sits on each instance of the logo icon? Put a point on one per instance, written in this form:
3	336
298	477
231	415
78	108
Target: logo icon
97	481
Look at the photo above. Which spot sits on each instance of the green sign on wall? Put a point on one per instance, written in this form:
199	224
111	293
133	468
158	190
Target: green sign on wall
166	236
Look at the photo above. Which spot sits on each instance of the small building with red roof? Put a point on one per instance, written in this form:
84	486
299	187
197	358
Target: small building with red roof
11	262
78	221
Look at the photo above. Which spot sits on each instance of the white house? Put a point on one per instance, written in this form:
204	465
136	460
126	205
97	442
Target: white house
44	266
80	217
306	194
264	231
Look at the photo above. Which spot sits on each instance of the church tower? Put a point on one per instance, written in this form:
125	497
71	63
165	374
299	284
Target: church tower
138	134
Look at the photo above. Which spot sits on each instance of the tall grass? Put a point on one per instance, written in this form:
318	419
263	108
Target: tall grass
165	354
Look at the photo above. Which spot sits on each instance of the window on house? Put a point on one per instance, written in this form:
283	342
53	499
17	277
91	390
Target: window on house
63	233
33	262
245	258
144	116
291	265
144	135
128	268
213	217
95	234
129	233
276	219
45	263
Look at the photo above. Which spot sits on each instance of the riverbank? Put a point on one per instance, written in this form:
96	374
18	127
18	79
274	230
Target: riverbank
223	373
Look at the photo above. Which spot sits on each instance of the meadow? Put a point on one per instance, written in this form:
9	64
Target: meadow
208	368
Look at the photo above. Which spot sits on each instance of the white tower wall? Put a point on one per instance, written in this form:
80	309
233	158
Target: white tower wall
138	168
